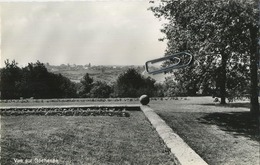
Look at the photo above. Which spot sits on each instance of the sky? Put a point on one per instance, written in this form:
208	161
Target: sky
108	32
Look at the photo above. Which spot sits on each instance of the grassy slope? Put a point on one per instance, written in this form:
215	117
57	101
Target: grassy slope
82	140
221	135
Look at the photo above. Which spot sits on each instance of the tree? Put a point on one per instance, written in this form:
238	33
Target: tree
219	34
64	87
10	84
172	88
100	90
133	84
87	84
34	81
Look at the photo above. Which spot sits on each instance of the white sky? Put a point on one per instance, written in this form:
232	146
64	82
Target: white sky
98	32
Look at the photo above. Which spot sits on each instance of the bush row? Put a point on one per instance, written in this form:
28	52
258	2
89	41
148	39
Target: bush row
65	112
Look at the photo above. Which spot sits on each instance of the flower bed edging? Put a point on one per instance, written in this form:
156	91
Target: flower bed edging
183	153
120	111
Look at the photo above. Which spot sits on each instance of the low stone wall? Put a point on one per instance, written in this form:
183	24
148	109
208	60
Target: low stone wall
183	153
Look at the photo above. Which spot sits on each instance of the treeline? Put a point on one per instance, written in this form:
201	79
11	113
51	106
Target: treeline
34	81
128	84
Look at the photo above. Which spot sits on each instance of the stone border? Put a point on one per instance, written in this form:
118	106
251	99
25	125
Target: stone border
131	107
183	153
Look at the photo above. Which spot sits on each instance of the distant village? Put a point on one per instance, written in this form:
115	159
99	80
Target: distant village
55	68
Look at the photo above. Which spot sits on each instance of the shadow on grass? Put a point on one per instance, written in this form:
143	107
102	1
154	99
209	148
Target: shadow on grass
238	123
230	105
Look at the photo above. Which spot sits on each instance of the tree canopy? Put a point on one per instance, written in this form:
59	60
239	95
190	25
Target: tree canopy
100	90
133	84
10	84
87	84
222	35
33	81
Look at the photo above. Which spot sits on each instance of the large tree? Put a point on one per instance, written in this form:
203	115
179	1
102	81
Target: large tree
222	35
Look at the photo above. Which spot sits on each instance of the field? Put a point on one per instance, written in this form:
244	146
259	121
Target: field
219	134
81	140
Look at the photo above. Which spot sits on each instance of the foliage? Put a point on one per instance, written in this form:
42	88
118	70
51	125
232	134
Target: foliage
94	89
159	90
221	35
87	84
39	83
10	84
65	88
133	84
172	88
34	81
100	90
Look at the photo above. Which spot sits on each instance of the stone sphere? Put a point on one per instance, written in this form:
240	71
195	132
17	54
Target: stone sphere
144	99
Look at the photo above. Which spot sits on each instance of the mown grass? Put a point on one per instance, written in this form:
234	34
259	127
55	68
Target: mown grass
82	140
219	134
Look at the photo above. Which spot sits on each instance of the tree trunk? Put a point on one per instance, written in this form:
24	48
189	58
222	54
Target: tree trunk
254	103
223	78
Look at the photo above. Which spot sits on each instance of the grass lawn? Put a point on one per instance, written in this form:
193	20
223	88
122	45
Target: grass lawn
219	134
81	140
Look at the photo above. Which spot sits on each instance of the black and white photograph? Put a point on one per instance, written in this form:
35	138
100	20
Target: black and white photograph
129	82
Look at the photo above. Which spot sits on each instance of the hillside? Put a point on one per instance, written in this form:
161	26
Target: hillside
107	73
